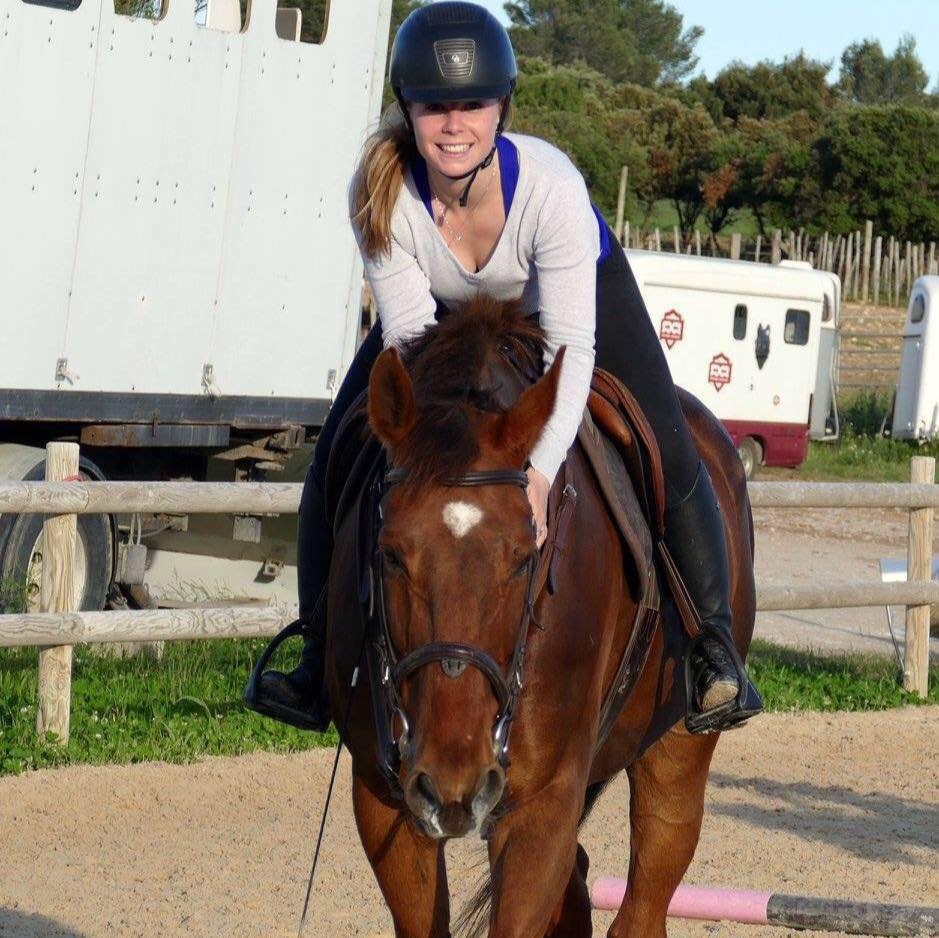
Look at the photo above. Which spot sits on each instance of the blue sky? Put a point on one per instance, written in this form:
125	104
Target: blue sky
751	31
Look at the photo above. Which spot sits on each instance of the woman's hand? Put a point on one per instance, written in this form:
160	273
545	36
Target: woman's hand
537	492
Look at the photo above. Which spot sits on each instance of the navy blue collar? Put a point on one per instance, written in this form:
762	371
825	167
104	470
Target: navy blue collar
508	169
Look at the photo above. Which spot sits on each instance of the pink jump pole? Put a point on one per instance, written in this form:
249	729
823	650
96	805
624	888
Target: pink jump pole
765	908
698	902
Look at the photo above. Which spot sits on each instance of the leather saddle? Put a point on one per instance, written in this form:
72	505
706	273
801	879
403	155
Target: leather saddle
621	450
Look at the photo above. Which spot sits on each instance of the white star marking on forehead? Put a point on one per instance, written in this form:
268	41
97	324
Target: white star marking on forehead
461	517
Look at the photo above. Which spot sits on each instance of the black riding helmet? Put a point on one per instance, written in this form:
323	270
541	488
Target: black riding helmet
453	51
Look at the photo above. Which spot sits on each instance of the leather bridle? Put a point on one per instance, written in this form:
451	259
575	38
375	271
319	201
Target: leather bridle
388	671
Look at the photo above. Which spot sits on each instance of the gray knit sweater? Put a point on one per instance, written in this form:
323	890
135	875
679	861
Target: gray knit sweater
546	256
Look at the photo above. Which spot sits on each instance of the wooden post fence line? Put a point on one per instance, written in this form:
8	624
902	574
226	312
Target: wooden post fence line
919	571
57	627
871	267
57	595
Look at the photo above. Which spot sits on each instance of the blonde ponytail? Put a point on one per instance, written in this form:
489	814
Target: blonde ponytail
378	179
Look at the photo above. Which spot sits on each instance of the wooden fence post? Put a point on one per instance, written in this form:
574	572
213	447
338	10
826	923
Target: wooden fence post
919	568
857	264
56	594
931	263
676	235
866	265
878	249
776	249
735	246
756	250
697	242
621	204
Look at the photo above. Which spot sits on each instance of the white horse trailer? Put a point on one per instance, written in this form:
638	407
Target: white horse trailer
180	289
916	406
756	343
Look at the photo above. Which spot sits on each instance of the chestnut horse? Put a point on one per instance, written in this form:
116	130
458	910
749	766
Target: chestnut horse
455	566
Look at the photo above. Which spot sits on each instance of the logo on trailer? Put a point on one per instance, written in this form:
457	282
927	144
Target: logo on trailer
719	371
672	329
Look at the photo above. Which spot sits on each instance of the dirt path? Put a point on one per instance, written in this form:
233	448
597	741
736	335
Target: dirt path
843	805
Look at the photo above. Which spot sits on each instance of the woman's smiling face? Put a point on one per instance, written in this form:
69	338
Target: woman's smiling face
454	137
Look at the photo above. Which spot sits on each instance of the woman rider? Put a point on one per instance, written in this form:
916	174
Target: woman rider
444	205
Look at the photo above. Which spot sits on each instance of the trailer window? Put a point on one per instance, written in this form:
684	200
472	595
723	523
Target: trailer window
302	20
797	327
145	9
57	4
918	310
740	321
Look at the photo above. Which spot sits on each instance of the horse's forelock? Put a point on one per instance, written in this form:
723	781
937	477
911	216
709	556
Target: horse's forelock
447	365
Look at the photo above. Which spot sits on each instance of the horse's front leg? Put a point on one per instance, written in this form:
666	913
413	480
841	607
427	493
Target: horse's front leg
666	805
532	852
410	868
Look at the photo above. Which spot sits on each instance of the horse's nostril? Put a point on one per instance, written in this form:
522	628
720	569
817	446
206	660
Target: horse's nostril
424	788
488	791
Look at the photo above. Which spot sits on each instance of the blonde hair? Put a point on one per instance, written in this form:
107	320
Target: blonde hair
378	180
379	176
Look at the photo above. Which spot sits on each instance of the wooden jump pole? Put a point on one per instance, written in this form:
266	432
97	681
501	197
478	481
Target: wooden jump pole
56	592
919	564
767	908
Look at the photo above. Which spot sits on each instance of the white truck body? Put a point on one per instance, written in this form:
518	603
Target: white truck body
174	235
916	406
756	343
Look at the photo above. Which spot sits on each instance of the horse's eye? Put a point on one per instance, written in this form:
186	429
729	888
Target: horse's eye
391	560
522	568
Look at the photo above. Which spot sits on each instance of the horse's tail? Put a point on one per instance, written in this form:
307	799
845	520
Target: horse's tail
474	916
473	920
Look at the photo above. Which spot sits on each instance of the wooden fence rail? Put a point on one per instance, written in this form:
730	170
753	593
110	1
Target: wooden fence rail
56	628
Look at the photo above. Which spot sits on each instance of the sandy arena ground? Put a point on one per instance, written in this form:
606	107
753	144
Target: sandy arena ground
843	805
837	805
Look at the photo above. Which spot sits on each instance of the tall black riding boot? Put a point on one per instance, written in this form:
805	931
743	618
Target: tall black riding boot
720	695
299	697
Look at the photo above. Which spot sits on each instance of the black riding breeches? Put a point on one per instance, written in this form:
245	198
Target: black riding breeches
627	346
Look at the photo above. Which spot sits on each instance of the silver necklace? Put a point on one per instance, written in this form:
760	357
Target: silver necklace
458	235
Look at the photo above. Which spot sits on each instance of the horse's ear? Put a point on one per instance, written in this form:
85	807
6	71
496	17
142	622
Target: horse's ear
516	431
392	412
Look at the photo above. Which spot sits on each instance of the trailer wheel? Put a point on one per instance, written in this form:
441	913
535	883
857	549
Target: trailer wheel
21	551
751	455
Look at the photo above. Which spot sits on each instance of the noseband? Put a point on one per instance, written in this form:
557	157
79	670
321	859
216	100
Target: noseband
389	672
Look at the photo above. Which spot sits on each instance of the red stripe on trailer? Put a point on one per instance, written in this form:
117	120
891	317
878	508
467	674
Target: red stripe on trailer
784	444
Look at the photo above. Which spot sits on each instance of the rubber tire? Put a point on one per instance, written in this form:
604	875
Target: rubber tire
751	455
19	533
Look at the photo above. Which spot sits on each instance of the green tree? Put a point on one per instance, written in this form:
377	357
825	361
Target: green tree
580	111
641	41
880	163
768	89
869	76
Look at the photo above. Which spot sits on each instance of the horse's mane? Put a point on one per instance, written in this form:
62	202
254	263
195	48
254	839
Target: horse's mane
447	366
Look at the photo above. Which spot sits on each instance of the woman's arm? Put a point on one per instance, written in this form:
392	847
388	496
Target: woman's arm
567	245
402	293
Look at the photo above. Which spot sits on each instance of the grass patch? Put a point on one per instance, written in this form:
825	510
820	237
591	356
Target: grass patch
794	680
863	458
136	709
189	704
13	595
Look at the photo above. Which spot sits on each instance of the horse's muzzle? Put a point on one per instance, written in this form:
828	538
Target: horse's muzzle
452	813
